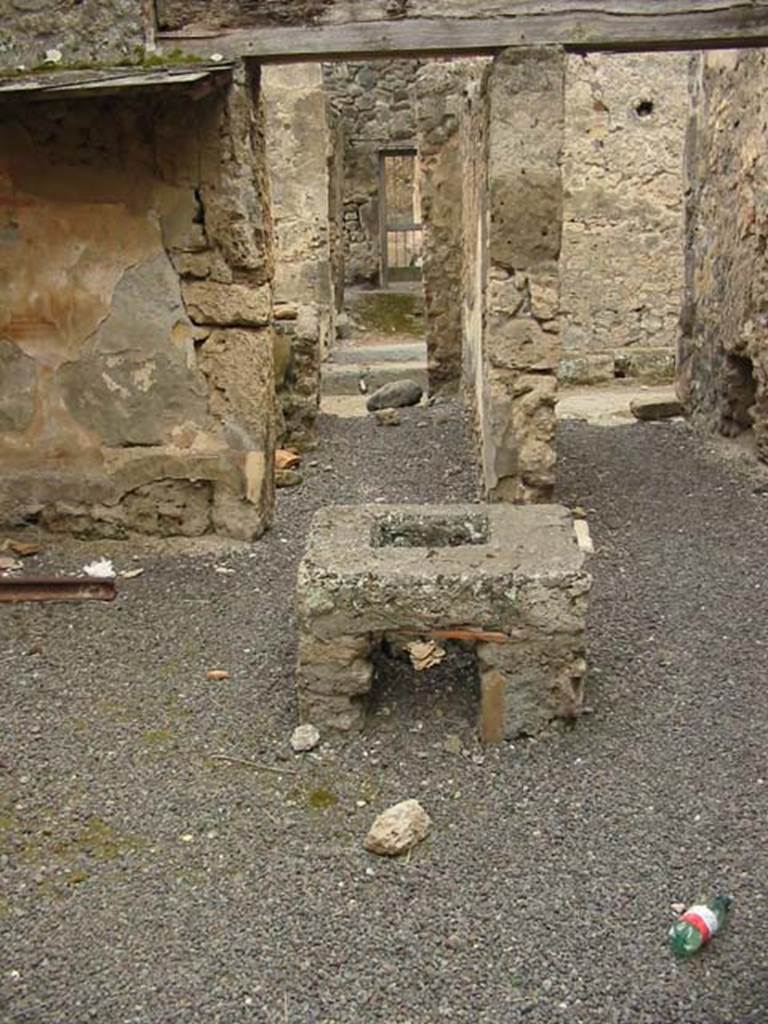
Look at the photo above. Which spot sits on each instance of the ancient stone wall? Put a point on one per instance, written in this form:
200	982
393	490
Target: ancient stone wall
441	89
622	255
136	365
724	349
86	31
622	262
375	102
473	137
336	206
521	339
298	155
174	14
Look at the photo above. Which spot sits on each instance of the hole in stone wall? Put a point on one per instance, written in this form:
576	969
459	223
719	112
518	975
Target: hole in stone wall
409	530
199	215
28	519
644	108
740	393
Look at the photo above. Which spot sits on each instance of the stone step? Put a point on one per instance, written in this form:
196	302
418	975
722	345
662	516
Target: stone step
345	379
370	354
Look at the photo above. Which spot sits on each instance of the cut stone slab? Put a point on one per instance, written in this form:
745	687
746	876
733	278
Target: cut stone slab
395	395
651	365
373	572
398	829
655	409
586	368
607	405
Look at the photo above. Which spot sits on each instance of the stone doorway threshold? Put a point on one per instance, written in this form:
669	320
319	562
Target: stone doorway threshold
606	406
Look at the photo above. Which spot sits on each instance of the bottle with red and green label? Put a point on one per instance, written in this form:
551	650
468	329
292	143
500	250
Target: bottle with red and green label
697	925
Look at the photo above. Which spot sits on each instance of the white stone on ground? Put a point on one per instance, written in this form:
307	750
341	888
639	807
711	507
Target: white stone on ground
304	738
583	536
398	829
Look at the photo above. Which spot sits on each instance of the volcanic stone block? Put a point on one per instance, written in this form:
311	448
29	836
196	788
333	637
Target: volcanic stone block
515	572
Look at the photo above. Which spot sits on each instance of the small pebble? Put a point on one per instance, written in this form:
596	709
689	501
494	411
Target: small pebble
304	737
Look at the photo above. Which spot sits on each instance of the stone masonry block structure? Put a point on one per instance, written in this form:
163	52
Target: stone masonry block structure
621	265
372	572
724	349
474	130
136	364
298	149
522	342
440	90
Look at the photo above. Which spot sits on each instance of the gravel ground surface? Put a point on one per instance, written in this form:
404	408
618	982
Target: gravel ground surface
145	882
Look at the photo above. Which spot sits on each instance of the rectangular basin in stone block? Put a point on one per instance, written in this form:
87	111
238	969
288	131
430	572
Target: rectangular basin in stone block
516	571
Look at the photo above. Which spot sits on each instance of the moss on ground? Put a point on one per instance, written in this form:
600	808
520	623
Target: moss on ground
390	313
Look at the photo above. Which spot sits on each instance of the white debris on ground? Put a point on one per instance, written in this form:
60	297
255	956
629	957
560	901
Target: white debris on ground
101	569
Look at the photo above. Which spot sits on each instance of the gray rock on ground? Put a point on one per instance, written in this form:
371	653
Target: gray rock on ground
395	395
655	408
398	829
304	737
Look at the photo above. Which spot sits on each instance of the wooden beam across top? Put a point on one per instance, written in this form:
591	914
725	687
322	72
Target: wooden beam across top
577	25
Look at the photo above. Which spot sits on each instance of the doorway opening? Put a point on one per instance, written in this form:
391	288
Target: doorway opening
400	212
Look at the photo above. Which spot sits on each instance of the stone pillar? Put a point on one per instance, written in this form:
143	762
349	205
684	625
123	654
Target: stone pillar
298	153
440	97
522	331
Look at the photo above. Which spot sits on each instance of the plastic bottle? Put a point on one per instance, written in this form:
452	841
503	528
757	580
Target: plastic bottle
697	925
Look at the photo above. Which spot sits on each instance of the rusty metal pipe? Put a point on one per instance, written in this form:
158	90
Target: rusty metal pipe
27	588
